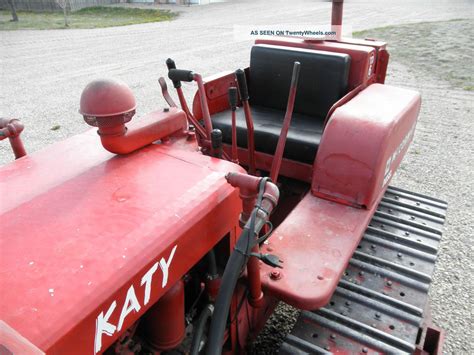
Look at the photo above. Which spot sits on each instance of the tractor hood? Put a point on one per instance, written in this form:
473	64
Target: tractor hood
91	240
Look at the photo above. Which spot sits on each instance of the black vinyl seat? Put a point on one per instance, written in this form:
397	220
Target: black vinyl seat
323	81
302	140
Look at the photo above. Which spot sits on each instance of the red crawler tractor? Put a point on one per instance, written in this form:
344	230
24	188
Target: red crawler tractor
184	233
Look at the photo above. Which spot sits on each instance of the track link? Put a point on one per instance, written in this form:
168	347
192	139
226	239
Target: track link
378	306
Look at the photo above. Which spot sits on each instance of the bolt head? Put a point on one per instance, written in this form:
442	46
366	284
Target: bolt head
275	275
365	350
389	283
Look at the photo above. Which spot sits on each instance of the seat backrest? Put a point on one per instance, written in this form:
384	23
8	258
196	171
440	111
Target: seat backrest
322	81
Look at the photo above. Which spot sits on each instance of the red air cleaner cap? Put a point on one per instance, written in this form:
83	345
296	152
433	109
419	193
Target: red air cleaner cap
106	97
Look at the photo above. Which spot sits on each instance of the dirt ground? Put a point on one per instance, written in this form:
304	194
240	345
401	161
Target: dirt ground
42	76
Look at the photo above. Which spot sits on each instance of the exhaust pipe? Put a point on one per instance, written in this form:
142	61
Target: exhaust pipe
336	17
109	104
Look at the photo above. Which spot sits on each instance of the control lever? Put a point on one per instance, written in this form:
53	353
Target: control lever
164	91
179	75
275	170
233	98
244	96
176	77
171	65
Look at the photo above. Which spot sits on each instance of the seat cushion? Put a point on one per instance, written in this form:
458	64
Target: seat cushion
323	78
303	137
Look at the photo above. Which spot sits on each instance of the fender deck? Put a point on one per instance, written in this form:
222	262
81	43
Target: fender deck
380	301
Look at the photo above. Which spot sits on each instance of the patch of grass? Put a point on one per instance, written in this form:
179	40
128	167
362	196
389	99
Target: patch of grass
442	49
91	17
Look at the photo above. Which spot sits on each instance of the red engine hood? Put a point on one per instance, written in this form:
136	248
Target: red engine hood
80	227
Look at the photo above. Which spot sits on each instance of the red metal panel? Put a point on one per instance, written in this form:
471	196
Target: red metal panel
382	56
11	342
315	243
79	239
217	91
289	168
363	143
27	177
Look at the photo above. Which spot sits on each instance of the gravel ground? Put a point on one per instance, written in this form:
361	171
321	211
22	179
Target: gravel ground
43	73
440	161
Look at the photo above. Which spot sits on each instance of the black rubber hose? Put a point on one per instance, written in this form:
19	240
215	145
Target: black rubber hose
237	260
231	275
211	263
199	329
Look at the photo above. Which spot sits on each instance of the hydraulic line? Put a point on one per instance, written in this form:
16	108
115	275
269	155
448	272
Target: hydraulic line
205	315
237	261
231	274
211	263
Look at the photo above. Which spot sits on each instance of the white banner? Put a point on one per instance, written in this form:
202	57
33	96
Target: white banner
307	31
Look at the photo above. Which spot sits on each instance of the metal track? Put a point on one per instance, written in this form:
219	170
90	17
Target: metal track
379	303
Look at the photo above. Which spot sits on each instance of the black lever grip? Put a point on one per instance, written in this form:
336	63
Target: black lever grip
170	64
233	98
244	92
180	75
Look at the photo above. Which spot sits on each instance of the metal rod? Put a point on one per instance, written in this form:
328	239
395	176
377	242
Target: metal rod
336	18
11	128
164	91
286	124
235	154
233	98
337	10
182	101
17	147
250	137
204	107
169	100
244	96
